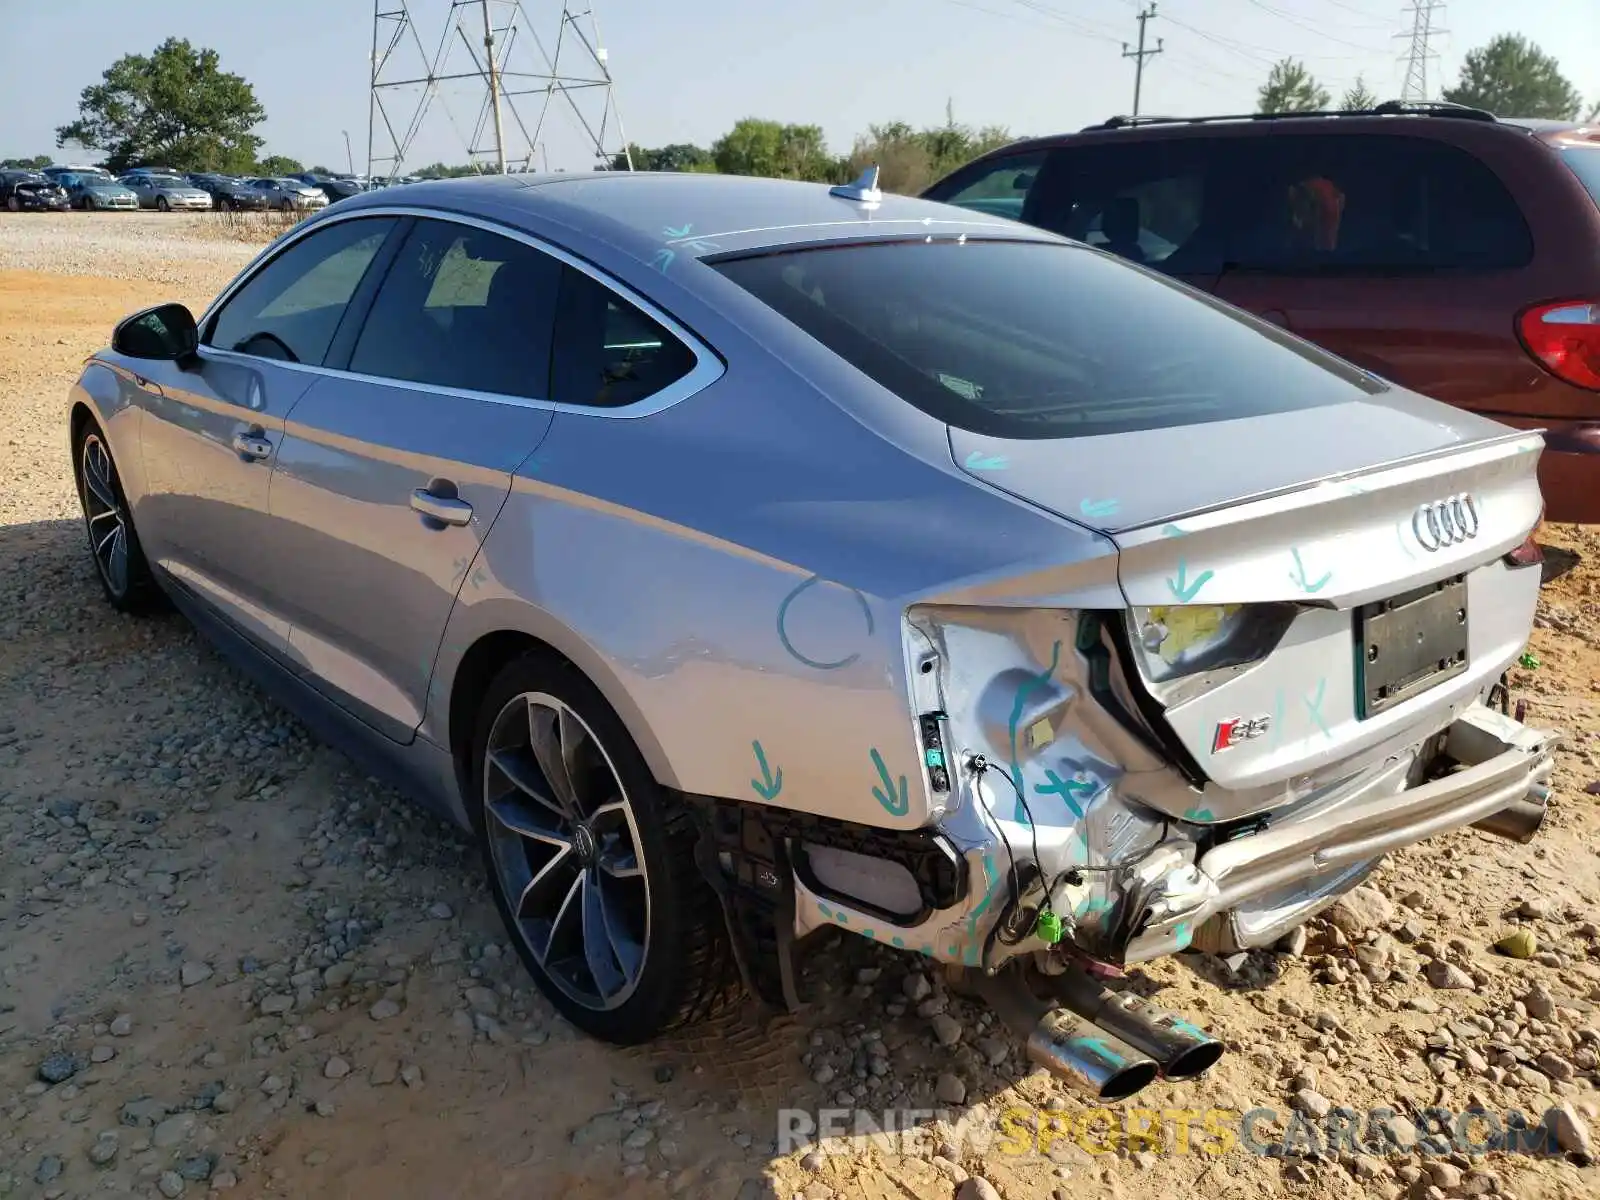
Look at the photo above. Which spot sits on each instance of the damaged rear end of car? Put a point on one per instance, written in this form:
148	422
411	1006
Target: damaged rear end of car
1323	580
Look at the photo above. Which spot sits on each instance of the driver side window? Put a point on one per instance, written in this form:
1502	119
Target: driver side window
290	309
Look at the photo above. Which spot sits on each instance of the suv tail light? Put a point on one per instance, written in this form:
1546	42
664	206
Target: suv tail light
1565	337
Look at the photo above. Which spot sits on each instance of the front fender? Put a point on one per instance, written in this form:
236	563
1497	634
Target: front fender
109	396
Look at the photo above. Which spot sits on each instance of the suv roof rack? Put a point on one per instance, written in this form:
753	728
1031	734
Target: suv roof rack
1389	108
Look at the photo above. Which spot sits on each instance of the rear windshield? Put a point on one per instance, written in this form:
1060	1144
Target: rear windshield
1585	164
1041	340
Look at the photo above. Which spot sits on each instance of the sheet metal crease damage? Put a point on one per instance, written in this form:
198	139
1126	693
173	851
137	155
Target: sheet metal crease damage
1073	842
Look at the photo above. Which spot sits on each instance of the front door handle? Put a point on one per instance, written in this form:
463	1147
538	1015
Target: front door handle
447	510
252	446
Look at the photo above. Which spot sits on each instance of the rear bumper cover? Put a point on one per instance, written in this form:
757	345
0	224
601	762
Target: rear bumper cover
1499	761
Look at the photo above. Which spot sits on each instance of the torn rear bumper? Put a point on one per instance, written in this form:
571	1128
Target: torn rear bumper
1499	761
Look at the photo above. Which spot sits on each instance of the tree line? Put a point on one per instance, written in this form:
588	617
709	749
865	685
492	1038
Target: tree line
908	159
1509	76
178	108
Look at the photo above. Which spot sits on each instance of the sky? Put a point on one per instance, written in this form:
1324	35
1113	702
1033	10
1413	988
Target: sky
685	70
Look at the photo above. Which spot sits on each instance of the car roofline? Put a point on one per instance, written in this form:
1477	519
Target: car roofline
1121	128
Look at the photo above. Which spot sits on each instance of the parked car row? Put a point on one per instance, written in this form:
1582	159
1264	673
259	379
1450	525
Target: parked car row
1433	245
60	187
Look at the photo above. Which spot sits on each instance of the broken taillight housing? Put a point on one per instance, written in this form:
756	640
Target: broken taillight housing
1565	337
1175	641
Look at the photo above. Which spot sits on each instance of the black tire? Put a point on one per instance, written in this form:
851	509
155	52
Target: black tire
686	972
223	204
162	205
133	589
13	204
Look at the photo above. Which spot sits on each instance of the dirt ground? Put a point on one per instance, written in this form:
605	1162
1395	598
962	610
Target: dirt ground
230	961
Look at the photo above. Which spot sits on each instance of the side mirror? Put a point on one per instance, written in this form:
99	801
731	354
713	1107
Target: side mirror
166	331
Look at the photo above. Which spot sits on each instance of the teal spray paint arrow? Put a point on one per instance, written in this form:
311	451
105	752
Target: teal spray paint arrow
770	784
895	804
1298	576
1182	588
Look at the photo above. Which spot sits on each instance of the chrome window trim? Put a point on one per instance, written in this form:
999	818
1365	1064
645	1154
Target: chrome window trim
707	369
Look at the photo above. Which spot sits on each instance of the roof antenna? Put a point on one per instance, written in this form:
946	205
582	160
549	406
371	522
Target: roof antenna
864	189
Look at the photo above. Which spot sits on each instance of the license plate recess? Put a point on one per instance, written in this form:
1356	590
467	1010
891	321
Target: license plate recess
1409	643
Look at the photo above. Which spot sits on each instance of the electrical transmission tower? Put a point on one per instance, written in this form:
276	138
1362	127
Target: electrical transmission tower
1141	54
1415	88
490	59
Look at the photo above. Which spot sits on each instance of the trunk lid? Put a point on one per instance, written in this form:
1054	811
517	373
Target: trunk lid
1121	481
1325	509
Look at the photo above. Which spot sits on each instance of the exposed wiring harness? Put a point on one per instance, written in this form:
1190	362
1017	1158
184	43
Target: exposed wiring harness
1046	921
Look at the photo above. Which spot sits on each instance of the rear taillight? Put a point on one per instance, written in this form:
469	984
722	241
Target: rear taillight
1565	337
1530	553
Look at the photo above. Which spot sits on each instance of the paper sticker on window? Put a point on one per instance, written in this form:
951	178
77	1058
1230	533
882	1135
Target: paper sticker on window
462	281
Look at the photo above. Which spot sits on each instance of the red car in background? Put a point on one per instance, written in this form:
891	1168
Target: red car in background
1438	246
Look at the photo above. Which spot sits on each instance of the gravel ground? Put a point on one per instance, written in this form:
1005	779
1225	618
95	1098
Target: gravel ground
185	250
230	961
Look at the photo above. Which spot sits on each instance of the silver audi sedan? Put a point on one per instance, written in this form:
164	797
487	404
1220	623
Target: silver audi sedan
739	558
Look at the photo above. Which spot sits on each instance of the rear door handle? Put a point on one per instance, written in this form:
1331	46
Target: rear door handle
447	510
252	446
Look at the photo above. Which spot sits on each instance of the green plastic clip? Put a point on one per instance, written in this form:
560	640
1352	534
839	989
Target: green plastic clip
1048	927
1528	661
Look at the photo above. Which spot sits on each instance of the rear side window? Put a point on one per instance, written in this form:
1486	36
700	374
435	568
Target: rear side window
1585	164
998	187
464	308
1369	203
1041	340
290	309
608	353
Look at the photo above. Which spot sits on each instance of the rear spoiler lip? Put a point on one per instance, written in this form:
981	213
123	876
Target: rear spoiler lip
1534	438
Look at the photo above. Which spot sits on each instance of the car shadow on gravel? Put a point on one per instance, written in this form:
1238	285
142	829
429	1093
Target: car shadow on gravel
1253	971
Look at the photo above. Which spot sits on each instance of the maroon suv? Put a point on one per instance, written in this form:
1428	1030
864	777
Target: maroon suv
1437	246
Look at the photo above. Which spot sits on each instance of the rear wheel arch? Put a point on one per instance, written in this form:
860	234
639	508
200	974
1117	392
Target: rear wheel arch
483	661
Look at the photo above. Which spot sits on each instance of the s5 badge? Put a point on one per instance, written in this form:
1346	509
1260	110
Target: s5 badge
1239	729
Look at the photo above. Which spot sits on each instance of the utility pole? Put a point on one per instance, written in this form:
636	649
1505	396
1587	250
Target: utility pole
1415	88
494	89
1141	54
349	155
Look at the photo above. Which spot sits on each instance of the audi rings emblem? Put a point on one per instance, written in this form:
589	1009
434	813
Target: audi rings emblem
1447	522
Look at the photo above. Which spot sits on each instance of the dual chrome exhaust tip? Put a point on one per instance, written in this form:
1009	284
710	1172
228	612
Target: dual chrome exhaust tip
1104	1044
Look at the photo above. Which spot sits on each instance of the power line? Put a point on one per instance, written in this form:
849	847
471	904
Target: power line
1073	23
1299	24
1415	88
1360	12
1139	55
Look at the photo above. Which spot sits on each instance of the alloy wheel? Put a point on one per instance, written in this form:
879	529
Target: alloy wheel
103	513
565	850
